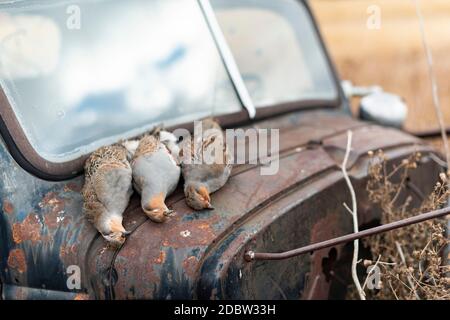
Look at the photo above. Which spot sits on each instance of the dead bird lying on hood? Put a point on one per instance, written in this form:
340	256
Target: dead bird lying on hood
156	172
107	191
202	177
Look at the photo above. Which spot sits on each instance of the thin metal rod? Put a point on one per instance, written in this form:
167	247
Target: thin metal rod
228	58
251	256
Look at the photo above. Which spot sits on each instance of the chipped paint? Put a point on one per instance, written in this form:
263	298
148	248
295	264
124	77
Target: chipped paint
161	258
17	261
72	187
8	207
42	232
54	205
81	296
185	233
189	265
28	230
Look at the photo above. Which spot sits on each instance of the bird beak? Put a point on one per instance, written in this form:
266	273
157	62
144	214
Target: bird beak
209	206
126	233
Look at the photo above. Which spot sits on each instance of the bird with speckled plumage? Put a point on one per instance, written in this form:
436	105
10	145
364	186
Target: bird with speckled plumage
107	191
204	178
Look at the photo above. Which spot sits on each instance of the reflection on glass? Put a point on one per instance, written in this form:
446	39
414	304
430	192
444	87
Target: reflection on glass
277	50
131	64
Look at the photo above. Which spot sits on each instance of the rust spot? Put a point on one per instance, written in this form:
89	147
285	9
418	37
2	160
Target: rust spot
48	199
63	252
189	265
8	207
67	252
161	258
204	226
152	276
321	231
29	229
81	296
72	187
200	233
51	220
20	294
56	214
16	260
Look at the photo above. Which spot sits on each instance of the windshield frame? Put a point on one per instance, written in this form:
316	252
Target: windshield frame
30	160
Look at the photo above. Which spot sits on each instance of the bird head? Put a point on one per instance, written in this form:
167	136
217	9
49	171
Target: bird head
156	209
197	197
115	239
114	232
158	214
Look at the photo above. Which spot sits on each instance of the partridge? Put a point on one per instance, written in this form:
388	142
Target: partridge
203	178
156	173
107	191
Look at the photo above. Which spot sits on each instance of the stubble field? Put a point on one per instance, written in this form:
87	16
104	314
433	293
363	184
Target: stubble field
392	56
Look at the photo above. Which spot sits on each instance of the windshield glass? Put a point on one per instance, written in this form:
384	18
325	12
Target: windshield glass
277	50
84	74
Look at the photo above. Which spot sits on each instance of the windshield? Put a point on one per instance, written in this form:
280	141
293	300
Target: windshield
83	74
277	50
122	66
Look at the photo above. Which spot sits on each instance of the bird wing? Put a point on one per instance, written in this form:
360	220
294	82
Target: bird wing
112	186
93	208
147	145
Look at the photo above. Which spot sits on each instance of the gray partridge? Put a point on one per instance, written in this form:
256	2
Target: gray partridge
107	191
203	178
155	173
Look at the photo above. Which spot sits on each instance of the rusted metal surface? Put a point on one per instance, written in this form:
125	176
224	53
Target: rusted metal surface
200	254
42	231
314	213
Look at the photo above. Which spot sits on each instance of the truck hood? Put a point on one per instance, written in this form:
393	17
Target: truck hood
200	254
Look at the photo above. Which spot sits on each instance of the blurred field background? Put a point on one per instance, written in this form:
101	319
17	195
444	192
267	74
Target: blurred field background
392	56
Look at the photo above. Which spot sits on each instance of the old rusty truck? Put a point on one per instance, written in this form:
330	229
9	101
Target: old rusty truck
77	75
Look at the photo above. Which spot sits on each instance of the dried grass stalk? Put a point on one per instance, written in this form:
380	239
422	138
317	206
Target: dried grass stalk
413	254
354	213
